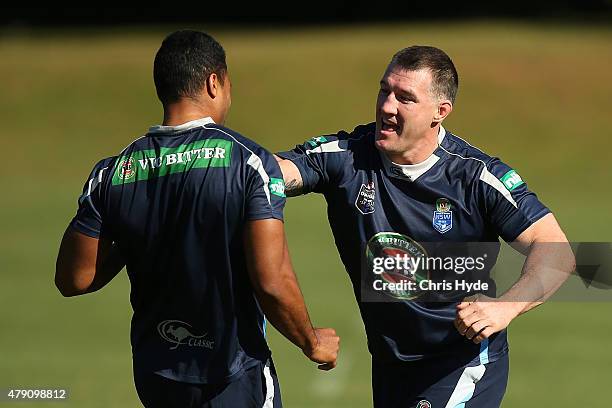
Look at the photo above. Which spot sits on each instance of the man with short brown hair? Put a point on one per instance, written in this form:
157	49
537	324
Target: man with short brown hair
400	191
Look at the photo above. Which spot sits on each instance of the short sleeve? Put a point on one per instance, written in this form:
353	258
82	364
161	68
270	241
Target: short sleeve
88	219
510	206
265	188
320	160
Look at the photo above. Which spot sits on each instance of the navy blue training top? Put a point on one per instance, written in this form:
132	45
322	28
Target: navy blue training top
374	206
175	202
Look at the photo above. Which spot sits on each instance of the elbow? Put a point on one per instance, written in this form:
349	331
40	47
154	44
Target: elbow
272	289
69	287
66	290
566	254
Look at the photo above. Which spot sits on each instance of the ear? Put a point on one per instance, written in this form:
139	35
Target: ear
445	107
212	85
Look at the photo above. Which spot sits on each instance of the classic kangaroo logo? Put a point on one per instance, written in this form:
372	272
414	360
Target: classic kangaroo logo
178	332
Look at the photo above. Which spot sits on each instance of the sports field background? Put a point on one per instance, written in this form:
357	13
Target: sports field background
539	97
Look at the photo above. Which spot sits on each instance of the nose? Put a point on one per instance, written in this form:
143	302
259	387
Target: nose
388	103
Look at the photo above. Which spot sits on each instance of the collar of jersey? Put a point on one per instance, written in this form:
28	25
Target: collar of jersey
411	172
157	129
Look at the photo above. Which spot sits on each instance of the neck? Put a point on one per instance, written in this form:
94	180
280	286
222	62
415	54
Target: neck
419	149
185	110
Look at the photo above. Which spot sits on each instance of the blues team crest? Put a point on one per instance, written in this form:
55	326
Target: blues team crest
443	216
365	198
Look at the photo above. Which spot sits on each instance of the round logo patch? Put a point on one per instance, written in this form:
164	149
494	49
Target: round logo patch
423	404
400	250
126	169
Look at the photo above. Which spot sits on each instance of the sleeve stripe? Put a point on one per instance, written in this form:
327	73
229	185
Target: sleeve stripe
329	147
255	162
91	186
494	182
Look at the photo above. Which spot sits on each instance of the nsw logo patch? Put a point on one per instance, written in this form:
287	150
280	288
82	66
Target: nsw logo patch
366	198
443	216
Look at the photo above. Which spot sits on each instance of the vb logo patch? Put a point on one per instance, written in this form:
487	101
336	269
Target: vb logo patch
423	404
443	216
126	169
365	198
177	333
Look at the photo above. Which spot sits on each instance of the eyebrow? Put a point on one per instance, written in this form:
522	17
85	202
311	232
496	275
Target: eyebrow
401	92
408	94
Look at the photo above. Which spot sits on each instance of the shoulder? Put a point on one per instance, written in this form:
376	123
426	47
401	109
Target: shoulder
241	142
106	162
342	141
100	171
249	153
460	149
489	171
103	166
471	157
359	133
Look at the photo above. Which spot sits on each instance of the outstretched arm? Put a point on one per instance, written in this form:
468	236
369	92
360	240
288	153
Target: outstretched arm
85	264
292	177
279	294
549	263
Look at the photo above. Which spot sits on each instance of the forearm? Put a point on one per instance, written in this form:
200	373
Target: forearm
549	263
547	267
275	284
283	306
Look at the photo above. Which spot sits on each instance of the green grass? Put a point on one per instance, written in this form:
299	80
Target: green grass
536	96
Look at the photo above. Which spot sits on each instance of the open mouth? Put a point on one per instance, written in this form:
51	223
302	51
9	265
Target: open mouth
389	127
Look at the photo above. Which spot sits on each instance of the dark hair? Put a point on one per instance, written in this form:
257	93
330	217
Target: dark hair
184	62
445	80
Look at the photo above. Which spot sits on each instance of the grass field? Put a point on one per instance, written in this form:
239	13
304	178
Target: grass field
539	97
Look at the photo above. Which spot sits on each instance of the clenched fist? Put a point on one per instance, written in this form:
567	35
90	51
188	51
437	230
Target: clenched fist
478	317
325	352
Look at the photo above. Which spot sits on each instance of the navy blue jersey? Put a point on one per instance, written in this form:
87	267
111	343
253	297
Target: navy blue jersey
459	194
175	202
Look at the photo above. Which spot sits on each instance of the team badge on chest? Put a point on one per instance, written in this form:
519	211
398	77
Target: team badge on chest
443	216
365	198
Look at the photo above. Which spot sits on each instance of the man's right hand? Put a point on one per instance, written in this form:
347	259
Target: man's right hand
325	352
